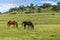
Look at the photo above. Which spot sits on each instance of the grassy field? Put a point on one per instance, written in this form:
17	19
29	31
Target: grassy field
47	27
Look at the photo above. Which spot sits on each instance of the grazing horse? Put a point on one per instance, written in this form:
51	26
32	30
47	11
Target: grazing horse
14	23
28	23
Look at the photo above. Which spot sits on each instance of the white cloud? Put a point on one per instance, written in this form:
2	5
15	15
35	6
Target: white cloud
51	2
6	7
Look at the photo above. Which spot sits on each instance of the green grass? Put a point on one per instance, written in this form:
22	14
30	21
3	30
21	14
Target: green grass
42	18
41	32
46	27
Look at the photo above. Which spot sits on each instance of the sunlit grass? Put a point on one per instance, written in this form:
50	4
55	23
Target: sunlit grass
46	27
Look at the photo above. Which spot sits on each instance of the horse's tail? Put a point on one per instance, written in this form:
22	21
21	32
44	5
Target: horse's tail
16	25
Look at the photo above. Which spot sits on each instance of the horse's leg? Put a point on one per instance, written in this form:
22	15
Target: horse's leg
32	27
8	25
24	26
16	25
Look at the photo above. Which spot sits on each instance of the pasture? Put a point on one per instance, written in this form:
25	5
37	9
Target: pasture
47	27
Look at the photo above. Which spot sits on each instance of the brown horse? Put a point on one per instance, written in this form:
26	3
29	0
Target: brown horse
28	23
14	23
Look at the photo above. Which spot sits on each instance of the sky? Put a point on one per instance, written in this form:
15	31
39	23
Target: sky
5	5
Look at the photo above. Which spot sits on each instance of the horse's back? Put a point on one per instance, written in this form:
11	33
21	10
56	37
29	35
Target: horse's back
27	22
12	22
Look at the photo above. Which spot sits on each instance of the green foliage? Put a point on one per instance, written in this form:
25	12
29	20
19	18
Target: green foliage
0	13
58	4
31	5
38	10
35	8
55	8
21	8
46	5
32	8
13	9
13	13
28	6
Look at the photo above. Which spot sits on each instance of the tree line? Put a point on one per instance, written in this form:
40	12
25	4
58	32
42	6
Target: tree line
35	8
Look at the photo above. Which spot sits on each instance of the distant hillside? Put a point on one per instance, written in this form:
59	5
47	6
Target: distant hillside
45	8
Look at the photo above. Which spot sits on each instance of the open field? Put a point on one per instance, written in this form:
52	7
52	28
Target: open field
41	32
42	18
47	27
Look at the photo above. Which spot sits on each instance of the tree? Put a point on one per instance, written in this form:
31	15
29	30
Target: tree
46	5
21	7
38	10
0	13
31	8
55	8
13	9
58	4
31	5
28	6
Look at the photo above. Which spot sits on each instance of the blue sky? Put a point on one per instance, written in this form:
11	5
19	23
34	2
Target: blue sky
5	5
